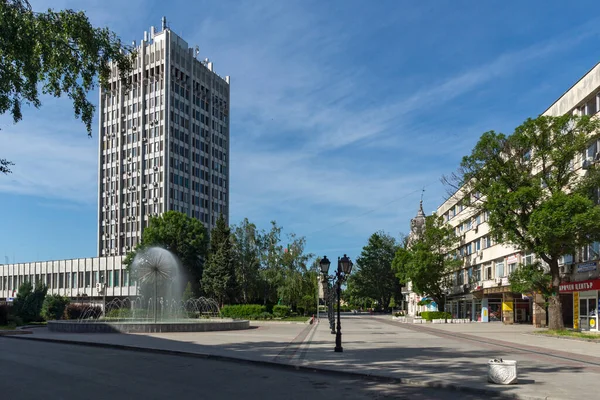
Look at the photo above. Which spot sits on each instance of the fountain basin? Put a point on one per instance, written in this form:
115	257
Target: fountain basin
104	326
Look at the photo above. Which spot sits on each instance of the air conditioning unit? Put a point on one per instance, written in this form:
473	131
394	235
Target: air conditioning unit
155	199
155	184
587	163
480	253
129	159
133	128
144	139
100	287
499	281
122	234
155	121
156	168
128	204
122	131
476	229
565	269
143	200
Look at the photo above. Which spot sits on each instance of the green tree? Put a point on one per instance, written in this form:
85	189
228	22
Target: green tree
246	251
218	279
296	280
54	53
188	293
28	303
186	237
531	278
271	267
373	276
425	262
529	183
54	307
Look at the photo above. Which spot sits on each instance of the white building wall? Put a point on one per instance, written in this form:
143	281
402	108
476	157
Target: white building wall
76	278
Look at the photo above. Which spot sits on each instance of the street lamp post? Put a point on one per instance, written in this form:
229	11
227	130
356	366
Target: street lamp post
344	268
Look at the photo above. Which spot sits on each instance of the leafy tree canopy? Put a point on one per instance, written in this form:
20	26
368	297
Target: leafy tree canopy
54	53
425	260
373	277
532	185
218	278
186	237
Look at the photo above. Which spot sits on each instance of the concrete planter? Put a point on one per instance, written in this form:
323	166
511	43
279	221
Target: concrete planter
502	372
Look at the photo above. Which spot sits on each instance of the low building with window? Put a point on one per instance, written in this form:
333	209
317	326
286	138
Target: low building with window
81	279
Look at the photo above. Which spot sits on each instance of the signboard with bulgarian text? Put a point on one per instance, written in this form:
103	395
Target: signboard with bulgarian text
586	267
570	287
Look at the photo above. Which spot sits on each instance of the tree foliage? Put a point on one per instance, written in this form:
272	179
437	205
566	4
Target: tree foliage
29	301
373	277
186	237
529	183
54	53
426	261
54	306
218	278
531	278
246	252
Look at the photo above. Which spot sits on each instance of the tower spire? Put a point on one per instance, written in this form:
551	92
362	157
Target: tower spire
421	213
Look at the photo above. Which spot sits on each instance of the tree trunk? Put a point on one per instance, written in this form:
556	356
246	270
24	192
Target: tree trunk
555	320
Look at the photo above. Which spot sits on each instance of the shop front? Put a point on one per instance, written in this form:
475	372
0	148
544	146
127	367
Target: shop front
585	303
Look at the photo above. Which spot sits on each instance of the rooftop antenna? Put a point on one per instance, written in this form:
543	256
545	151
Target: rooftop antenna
196	51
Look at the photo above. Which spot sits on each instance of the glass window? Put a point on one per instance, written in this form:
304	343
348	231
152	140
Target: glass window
500	269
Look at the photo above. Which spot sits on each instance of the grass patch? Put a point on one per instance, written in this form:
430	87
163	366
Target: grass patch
9	327
571	334
294	319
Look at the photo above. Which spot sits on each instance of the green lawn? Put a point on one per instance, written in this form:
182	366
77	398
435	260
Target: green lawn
570	334
9	327
299	319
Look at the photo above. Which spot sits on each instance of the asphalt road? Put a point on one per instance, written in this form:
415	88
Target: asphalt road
40	370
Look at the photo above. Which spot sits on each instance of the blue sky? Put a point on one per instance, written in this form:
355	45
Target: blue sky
341	111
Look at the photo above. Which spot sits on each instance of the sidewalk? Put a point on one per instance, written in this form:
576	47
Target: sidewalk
437	355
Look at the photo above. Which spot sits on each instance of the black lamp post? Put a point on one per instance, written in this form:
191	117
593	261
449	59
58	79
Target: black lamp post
344	268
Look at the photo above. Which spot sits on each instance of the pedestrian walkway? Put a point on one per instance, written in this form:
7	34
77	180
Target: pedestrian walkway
379	346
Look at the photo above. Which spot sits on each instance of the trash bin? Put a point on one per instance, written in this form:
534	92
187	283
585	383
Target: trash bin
503	372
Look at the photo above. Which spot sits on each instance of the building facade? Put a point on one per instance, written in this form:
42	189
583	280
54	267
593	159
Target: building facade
82	278
481	289
163	143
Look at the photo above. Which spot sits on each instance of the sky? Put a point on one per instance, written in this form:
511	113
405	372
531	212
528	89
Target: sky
342	112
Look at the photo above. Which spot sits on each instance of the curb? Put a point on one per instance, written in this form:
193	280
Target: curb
305	368
574	338
15	332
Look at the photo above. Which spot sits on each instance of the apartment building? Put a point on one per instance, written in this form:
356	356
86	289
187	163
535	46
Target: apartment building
163	144
481	291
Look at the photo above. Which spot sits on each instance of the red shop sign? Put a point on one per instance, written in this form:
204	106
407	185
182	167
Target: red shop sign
579	286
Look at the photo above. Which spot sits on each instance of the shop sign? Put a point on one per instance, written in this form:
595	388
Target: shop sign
576	311
512	259
586	267
507	306
579	286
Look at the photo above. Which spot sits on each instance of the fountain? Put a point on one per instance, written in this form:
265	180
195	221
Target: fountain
157	270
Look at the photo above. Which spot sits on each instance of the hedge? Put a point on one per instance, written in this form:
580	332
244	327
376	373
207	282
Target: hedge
281	311
429	315
76	311
243	311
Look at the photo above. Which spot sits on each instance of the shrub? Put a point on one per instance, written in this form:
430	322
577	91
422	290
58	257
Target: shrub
126	313
242	311
28	303
399	314
429	315
77	311
281	311
54	307
3	314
